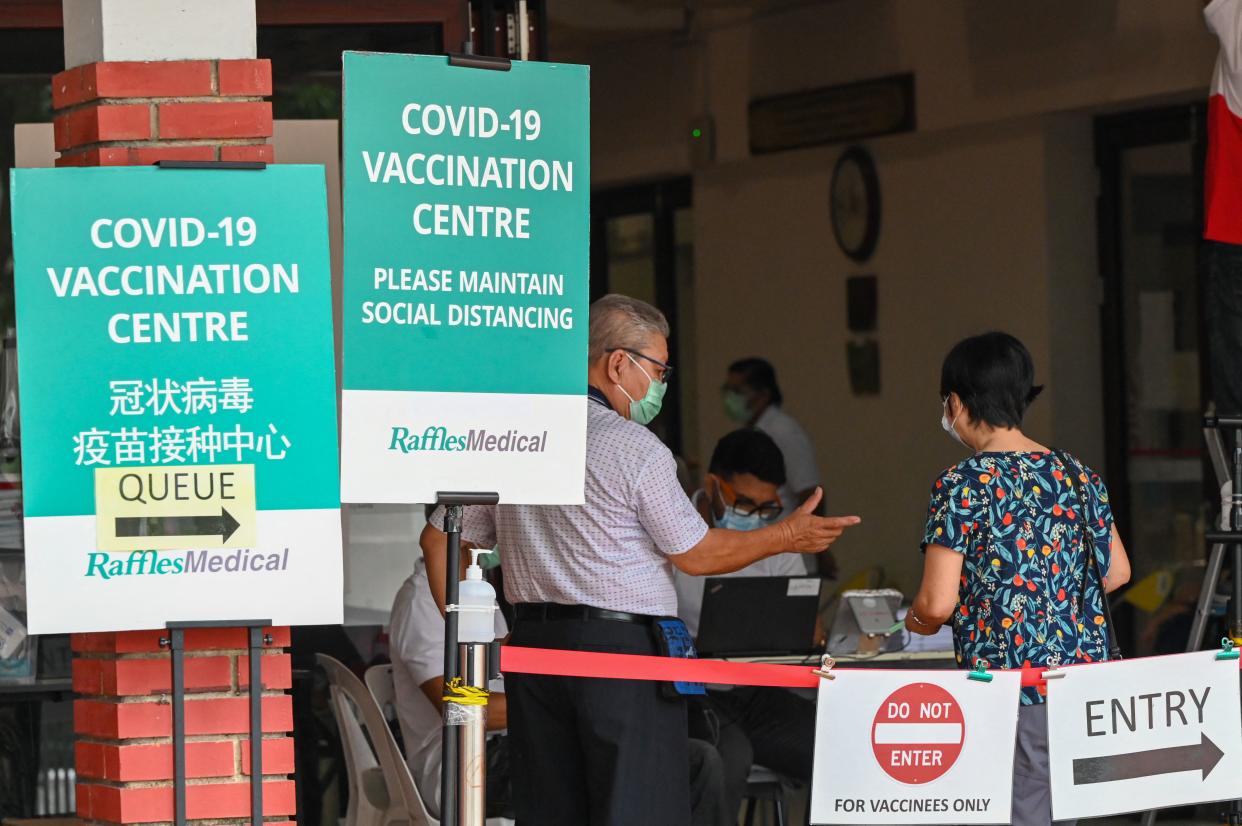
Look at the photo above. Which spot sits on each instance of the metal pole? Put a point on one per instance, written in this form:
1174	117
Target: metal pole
472	766
449	760
176	645
256	726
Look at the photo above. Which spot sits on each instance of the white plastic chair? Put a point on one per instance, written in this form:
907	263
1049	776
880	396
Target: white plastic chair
368	794
356	707
383	689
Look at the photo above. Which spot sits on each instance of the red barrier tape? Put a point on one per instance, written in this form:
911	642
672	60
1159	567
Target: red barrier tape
554	662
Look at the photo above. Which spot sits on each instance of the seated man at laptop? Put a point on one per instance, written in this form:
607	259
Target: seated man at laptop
772	727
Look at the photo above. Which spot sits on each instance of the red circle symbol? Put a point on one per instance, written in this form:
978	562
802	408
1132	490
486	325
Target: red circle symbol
918	733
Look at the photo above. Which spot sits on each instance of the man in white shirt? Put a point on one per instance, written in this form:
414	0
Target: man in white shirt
595	577
769	726
416	644
752	397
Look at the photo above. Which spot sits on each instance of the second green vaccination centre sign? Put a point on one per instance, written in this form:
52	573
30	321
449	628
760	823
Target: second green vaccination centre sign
178	402
467	219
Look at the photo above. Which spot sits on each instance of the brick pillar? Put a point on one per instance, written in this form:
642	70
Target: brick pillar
135	113
130	113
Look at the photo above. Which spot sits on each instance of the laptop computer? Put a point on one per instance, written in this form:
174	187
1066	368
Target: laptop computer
758	616
863	622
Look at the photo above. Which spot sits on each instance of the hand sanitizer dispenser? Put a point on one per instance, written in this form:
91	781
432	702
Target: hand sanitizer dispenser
476	601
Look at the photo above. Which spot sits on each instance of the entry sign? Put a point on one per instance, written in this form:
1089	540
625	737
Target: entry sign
467	223
178	403
914	747
1144	734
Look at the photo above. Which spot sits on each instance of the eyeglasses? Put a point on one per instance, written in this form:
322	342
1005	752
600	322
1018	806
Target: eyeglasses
666	370
768	511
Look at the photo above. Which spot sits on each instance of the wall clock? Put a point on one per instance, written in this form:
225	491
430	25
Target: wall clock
854	201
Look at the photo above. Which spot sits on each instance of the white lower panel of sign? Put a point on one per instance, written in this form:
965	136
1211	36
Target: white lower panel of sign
1144	734
914	747
401	447
292	577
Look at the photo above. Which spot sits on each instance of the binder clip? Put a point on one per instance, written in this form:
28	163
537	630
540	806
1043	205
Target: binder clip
1227	652
826	664
980	672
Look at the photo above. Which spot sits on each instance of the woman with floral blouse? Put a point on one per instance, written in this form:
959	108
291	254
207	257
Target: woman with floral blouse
1004	560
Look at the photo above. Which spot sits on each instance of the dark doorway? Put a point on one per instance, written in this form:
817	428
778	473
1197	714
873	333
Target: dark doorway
1155	389
642	245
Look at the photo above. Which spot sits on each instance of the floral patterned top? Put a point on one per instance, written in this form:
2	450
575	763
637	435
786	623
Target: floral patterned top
1015	517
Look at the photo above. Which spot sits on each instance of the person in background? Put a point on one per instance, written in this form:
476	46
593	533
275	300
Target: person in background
1006	555
594	577
1220	256
770	726
752	398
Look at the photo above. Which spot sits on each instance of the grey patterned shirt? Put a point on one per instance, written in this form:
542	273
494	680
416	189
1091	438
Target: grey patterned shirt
611	552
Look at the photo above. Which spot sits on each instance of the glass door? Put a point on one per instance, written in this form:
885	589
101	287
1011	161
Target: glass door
1150	223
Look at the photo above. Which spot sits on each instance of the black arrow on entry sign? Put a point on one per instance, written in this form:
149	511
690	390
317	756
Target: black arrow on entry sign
1201	756
224	524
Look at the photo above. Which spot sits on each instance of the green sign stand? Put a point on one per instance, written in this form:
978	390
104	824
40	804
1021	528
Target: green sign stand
177	396
467	220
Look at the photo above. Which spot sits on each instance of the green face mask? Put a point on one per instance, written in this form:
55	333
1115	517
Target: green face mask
736	407
644	410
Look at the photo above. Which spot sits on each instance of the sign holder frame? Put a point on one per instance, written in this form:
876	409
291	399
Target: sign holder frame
455	759
175	643
256	638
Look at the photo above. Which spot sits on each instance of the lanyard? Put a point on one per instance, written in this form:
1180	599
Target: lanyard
596	395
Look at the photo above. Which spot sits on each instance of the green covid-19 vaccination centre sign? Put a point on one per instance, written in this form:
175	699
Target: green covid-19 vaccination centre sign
178	398
466	279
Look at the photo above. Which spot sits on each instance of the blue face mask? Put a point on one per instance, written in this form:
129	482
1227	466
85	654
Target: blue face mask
733	520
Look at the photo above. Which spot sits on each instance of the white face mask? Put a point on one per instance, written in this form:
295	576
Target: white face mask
950	427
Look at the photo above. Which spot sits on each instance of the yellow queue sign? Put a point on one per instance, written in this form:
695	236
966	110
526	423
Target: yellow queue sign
175	508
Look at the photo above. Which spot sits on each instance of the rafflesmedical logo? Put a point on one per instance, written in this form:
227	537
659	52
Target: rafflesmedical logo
166	563
437	439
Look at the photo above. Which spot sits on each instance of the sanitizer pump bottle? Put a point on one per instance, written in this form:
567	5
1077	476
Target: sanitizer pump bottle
476	599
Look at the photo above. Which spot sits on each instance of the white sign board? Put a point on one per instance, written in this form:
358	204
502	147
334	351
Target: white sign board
1144	734
914	747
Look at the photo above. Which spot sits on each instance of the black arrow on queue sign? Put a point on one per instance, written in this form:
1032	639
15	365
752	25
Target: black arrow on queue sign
224	524
1202	756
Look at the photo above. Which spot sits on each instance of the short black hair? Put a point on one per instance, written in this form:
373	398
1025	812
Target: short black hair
993	375
748	451
759	374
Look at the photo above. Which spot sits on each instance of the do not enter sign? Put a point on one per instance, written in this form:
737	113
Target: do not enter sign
918	733
942	748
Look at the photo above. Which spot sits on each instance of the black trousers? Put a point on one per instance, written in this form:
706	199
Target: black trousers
772	727
594	751
1221	269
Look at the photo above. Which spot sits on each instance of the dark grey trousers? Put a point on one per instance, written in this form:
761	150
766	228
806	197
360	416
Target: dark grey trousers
1032	796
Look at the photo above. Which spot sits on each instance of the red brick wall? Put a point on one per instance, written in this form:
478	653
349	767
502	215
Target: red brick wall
119	114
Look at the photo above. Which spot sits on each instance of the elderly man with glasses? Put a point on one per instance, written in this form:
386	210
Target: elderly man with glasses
596	577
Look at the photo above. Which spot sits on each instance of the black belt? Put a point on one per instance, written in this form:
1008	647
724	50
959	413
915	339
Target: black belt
548	611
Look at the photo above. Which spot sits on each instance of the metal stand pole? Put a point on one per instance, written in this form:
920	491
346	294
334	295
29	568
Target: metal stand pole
450	763
449	741
176	647
472	770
